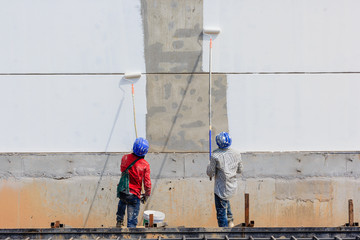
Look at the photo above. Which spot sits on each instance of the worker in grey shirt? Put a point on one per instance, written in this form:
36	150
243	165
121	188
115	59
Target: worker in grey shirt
225	163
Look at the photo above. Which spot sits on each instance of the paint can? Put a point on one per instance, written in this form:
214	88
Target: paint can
158	216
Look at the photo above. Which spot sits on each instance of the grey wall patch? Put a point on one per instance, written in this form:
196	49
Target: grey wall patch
177	92
178	44
193	124
172	35
154	110
178	122
167	90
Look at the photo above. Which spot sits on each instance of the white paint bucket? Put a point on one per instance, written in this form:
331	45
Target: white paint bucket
158	216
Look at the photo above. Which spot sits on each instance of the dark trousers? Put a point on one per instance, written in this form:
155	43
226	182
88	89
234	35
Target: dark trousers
132	203
223	211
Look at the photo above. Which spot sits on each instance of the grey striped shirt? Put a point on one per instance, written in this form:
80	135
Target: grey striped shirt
224	165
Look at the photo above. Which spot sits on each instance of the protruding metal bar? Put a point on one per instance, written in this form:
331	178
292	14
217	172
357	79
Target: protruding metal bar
337	238
315	238
272	238
351	213
226	237
251	238
247	210
292	238
151	220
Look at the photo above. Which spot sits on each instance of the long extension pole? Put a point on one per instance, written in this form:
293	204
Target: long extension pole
210	32
133	99
210	65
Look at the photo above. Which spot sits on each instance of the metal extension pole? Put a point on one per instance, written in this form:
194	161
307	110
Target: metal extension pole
133	99
210	65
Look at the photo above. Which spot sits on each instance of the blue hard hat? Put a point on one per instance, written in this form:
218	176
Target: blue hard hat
223	140
140	147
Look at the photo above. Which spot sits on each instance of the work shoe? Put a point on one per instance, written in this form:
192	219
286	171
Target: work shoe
119	224
231	224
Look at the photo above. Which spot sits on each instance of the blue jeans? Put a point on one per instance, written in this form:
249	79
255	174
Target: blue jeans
132	202
223	211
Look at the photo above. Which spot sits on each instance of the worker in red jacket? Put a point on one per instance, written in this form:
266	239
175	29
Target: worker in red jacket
139	173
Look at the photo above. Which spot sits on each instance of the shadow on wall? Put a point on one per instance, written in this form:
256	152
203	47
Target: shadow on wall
122	82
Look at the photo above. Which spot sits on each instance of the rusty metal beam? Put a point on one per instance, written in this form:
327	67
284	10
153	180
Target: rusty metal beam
247	222
247	210
351	213
151	220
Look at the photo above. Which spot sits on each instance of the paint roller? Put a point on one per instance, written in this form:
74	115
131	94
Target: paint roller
130	76
211	30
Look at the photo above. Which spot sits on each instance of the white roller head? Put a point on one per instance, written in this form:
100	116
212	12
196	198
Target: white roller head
131	75
212	30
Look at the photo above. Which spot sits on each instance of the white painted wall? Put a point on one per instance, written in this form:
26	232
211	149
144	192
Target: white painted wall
69	113
288	112
58	111
284	35
66	36
93	113
296	112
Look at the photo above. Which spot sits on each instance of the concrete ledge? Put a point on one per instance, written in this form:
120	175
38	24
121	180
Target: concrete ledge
286	165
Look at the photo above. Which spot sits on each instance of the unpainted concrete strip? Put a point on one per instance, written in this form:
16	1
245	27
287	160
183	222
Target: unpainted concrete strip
288	165
172	35
178	115
35	202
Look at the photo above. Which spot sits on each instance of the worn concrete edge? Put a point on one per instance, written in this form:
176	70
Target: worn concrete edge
289	165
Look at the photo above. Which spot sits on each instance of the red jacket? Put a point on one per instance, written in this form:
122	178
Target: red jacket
138	173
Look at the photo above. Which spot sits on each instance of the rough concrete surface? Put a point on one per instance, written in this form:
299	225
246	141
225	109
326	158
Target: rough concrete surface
289	165
188	202
37	189
301	164
178	111
172	35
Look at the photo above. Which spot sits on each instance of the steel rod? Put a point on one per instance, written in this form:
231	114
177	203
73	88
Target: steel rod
351	213
247	210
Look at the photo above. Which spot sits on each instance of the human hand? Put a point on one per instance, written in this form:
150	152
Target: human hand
143	198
